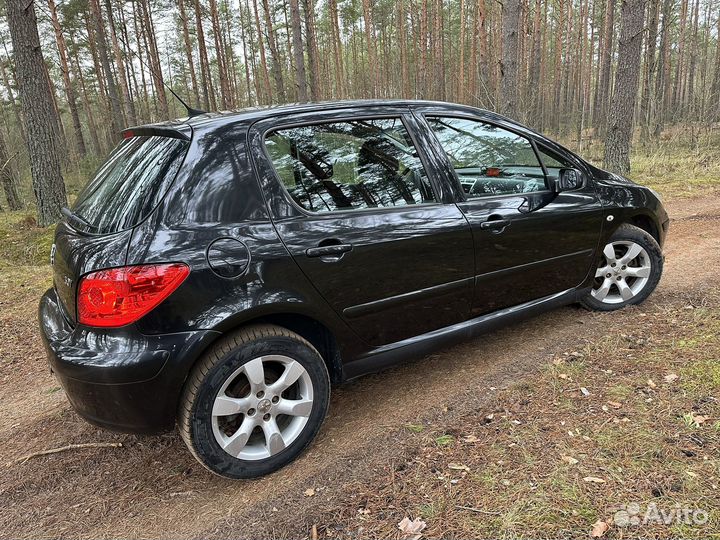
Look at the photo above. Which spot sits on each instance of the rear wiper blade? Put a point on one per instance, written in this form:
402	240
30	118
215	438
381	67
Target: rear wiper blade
78	219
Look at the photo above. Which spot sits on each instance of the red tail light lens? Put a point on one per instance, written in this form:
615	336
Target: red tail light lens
120	296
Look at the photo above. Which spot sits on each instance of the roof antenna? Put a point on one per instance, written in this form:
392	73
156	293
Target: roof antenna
190	110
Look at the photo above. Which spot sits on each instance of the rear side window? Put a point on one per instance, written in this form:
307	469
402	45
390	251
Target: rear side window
130	183
349	165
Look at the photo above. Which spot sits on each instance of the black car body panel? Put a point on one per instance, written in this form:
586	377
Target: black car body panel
414	277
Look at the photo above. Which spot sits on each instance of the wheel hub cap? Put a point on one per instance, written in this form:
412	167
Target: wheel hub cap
623	272
262	407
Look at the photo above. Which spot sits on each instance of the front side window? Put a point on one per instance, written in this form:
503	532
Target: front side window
349	165
553	163
487	159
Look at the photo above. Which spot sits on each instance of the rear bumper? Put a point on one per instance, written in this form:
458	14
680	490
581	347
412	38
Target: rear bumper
119	378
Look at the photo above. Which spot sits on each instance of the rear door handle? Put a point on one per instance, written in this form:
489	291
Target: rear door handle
495	223
334	250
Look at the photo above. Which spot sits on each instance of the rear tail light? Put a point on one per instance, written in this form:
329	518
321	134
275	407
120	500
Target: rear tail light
120	296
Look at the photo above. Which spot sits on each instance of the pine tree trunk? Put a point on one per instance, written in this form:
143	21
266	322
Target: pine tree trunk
92	125
220	57
69	90
337	49
140	38
263	58
188	51
246	62
646	106
509	63
372	67
38	112
715	87
208	90
619	135
602	94
680	65
154	55
557	65
276	66
312	49
13	102
120	63
536	58
298	56
8	177
133	86
117	121
402	37
662	81
689	95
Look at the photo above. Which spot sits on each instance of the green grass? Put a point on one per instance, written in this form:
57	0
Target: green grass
444	440
529	470
681	165
678	172
22	243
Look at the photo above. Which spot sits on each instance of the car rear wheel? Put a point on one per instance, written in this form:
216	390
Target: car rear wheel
629	269
254	402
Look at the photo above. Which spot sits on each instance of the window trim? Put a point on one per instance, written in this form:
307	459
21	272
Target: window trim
465	116
585	176
347	117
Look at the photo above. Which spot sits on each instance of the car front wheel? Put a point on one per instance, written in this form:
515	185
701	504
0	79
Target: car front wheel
629	269
254	402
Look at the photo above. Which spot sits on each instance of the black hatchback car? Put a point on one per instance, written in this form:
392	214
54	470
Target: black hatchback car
219	272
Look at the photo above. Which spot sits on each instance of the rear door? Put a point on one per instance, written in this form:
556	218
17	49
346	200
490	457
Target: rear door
529	241
362	213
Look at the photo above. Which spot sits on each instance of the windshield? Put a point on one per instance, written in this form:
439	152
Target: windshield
130	183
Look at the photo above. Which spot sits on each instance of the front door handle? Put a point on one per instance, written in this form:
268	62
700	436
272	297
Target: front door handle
495	223
334	250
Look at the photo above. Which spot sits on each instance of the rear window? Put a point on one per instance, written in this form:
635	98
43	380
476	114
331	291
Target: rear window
130	184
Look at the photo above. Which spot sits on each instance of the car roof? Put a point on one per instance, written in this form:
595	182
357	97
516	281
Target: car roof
216	119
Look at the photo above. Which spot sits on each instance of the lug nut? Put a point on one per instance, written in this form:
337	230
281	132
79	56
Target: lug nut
619	278
612	264
608	275
623	267
275	399
260	394
266	417
251	412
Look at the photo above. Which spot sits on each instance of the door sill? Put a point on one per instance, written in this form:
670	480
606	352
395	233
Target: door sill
388	355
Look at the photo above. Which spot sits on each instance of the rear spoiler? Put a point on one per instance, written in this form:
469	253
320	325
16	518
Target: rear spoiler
161	131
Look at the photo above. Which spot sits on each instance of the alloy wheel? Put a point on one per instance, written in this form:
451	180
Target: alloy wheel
262	407
623	272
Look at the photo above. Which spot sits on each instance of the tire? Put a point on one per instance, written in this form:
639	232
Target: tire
238	416
628	271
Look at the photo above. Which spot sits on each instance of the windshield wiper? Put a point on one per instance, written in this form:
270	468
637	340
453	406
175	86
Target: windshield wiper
78	219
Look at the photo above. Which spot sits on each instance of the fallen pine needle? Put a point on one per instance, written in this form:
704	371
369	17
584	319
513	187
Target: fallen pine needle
477	510
23	459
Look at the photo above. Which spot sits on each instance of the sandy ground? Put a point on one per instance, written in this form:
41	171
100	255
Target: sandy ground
152	487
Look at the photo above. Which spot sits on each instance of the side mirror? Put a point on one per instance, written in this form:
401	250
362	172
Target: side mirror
568	179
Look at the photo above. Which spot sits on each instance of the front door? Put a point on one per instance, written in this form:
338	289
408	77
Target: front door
367	226
529	241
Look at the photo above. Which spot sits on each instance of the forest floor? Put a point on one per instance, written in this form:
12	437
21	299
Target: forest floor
546	428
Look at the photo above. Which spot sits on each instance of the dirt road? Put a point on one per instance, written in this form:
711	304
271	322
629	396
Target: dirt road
152	487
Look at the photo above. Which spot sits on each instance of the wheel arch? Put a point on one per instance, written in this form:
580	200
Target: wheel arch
646	223
318	332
